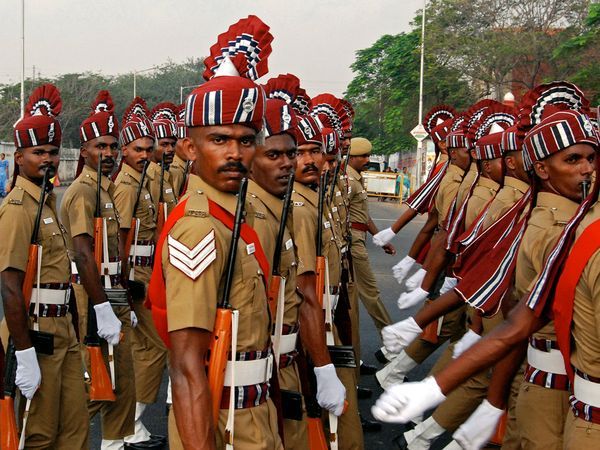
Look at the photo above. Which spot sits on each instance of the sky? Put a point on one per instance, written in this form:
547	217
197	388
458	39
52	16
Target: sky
313	39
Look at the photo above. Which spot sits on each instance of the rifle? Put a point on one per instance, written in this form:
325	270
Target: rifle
222	340
102	386
277	284
9	436
162	207
134	227
336	174
184	181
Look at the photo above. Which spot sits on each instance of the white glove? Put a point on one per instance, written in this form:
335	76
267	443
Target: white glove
331	393
401	269
28	376
109	326
479	427
133	318
449	283
399	335
469	339
415	281
404	402
409	299
383	237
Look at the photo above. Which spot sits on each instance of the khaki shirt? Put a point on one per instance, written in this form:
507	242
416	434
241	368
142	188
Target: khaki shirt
585	328
465	185
127	183
305	233
547	221
484	191
512	191
194	287
267	217
447	191
154	173
358	206
17	220
78	209
177	172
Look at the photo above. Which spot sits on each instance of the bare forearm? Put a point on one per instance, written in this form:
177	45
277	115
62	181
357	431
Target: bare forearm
434	310
437	264
519	326
87	269
424	236
372	227
312	323
14	308
404	219
503	375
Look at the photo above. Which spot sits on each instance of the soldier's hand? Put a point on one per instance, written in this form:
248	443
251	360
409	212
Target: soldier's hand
469	339
403	402
331	393
389	249
399	335
133	318
410	299
479	427
449	283
109	326
401	269
415	280
28	377
383	237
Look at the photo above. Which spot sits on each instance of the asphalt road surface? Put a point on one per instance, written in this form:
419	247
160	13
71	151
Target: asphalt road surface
383	213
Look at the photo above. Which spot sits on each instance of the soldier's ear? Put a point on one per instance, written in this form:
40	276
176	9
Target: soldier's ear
18	156
510	162
189	149
540	169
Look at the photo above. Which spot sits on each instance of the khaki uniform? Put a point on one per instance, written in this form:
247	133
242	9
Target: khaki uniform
149	351
484	191
366	282
255	427
453	323
267	216
177	173
57	416
585	342
305	230
465	185
512	191
169	196
541	412
77	211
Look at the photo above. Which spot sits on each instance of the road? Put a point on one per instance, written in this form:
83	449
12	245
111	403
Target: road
383	213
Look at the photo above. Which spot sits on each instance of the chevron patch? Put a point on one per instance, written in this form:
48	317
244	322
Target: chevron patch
193	261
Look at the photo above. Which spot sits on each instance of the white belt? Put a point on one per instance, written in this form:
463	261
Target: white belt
551	361
142	250
114	268
587	391
250	372
287	343
51	296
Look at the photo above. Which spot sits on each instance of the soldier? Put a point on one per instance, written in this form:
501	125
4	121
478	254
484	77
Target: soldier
560	167
222	147
134	201
51	380
309	167
179	168
98	134
164	121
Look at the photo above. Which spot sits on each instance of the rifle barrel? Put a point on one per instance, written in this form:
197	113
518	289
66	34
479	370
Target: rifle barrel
282	224
49	173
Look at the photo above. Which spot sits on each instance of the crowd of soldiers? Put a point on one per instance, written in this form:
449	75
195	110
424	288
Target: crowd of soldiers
228	247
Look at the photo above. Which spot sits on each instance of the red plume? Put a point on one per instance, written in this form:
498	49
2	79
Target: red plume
437	115
283	87
103	102
165	110
137	107
330	110
499	114
246	44
44	100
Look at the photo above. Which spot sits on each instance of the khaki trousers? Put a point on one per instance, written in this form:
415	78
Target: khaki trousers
295	431
366	282
58	414
118	416
580	434
541	416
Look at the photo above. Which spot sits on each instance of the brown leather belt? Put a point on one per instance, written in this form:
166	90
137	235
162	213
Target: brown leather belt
359	226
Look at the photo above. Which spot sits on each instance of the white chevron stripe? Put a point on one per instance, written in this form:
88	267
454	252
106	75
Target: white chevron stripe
193	274
192	262
192	252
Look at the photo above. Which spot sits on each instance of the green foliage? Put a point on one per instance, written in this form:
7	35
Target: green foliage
78	90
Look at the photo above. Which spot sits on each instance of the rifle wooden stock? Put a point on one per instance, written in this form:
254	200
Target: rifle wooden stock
430	332
220	347
160	220
316	435
320	284
273	294
98	232
9	434
498	435
30	274
101	386
129	240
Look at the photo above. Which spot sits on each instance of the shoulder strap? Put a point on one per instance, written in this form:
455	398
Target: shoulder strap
564	299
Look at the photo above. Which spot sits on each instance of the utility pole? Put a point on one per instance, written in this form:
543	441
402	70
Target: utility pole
419	132
22	58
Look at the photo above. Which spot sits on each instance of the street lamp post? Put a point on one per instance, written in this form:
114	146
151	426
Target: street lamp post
22	58
181	88
135	72
420	142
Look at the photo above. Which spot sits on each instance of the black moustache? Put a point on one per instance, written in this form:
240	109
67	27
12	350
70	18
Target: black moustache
309	168
236	166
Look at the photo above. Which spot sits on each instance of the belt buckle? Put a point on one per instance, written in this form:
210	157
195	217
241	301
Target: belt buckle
68	295
548	345
269	367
